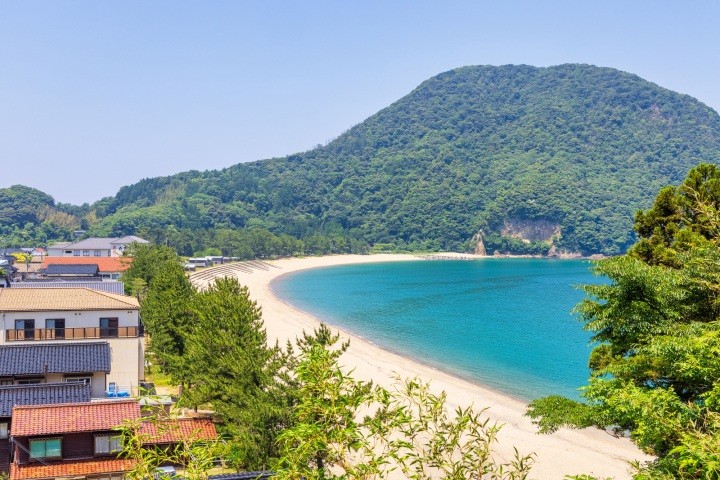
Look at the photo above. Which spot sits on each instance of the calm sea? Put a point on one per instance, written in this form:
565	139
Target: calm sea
505	323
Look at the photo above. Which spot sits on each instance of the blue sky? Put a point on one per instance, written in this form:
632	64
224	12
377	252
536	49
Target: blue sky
96	95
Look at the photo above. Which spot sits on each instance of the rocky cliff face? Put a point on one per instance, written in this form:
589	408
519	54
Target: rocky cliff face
531	230
479	244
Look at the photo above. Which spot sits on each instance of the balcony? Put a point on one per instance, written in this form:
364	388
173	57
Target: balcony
70	333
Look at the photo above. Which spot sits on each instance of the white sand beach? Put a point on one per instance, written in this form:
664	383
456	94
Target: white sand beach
566	452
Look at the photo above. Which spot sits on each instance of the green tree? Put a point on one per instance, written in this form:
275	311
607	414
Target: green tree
654	369
168	318
231	368
147	261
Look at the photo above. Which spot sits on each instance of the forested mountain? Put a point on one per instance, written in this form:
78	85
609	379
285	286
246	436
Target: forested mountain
30	217
565	154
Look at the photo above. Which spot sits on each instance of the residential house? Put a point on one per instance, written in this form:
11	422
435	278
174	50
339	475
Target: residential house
88	272
75	440
72	315
87	363
94	247
109	268
81	440
41	394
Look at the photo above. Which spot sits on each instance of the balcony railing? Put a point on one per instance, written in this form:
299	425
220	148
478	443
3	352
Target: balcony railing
70	333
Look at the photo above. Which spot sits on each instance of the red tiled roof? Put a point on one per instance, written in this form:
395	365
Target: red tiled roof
174	431
72	417
70	469
105	264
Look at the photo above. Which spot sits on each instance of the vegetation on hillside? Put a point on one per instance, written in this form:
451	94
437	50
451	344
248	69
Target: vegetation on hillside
468	151
29	217
579	146
655	369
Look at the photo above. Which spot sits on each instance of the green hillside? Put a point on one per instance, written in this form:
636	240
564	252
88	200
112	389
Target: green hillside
565	154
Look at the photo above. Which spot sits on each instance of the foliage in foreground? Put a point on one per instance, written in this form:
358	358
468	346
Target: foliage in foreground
349	429
656	369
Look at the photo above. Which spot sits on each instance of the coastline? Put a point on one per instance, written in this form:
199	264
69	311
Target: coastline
566	452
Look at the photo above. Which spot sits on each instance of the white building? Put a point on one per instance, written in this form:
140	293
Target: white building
94	247
50	315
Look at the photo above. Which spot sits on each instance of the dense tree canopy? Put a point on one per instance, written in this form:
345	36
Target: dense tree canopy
473	149
655	368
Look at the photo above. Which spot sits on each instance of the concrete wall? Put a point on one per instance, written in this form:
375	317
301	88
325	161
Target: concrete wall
76	319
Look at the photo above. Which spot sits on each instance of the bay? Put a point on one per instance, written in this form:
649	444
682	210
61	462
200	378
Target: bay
505	323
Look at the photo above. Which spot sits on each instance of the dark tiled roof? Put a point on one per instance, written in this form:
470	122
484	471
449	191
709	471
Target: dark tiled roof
72	269
41	394
59	358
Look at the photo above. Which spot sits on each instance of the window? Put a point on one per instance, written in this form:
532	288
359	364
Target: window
86	380
68	252
107	444
3	429
86	253
46	448
29	381
7	381
55	327
97	253
76	253
27	327
108	327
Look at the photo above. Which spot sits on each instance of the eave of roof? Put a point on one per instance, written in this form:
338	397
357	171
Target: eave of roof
66	468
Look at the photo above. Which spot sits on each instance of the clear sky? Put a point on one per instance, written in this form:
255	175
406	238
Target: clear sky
95	95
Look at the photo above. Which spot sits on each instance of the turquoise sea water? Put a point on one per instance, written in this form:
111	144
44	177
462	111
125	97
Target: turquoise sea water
505	323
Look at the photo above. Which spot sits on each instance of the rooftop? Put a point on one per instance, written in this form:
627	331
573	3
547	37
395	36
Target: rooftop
70	299
41	394
72	269
99	243
80	357
72	417
173	431
67	469
105	264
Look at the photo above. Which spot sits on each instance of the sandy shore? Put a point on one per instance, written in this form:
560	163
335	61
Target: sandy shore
567	452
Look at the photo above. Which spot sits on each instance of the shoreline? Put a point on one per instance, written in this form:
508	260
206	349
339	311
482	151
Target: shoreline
566	452
354	336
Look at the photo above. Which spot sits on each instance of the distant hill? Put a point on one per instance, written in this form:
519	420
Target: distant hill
29	217
527	157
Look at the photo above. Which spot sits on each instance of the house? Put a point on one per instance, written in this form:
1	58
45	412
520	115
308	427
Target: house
40	394
80	440
73	271
74	440
87	363
109	268
94	247
72	315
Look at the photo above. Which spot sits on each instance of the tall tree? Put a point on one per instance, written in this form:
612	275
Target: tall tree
231	367
168	318
147	261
